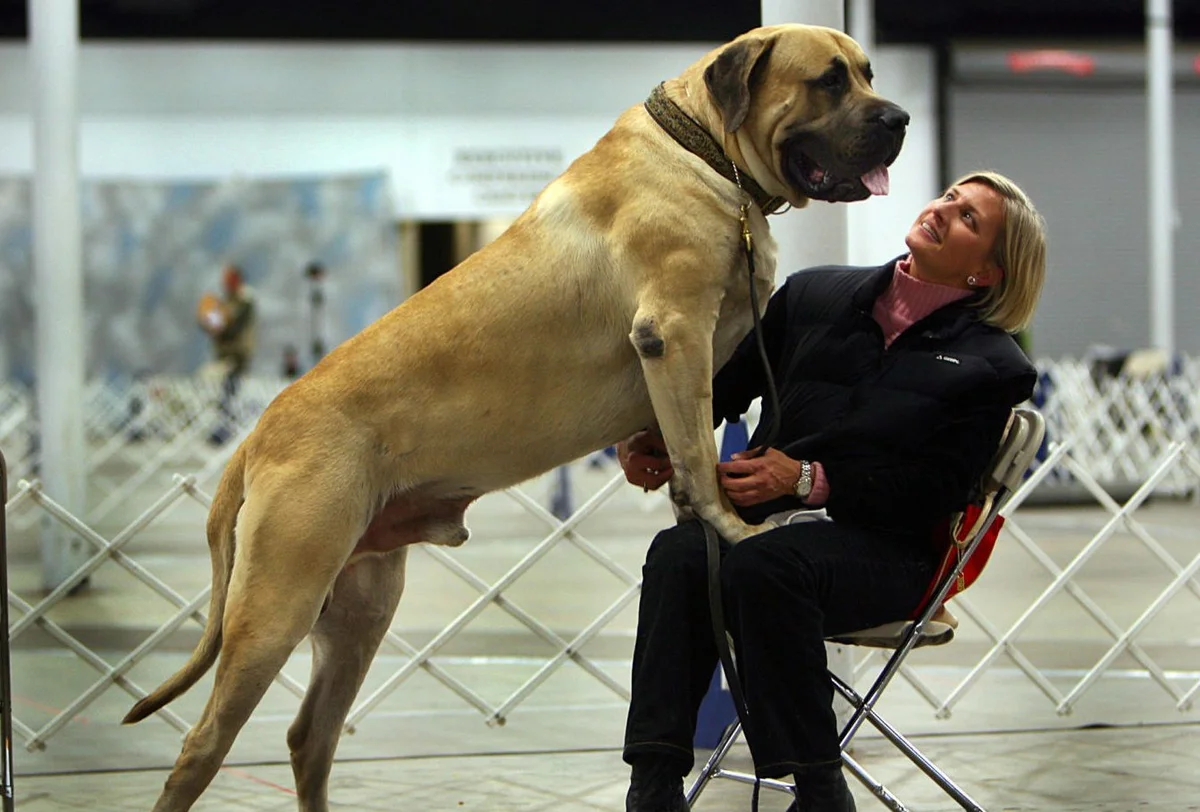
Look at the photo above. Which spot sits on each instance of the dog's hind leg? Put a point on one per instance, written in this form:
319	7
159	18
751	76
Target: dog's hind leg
293	537
344	642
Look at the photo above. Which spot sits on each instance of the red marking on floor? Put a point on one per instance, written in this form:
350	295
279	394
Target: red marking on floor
33	703
257	780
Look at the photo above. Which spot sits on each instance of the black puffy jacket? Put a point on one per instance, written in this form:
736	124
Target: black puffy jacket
904	433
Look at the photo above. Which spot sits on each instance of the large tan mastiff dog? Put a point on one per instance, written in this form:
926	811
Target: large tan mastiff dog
603	309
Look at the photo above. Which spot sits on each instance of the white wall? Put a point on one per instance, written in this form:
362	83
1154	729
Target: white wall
203	111
1082	155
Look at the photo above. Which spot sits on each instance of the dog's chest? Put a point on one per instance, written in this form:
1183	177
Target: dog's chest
736	317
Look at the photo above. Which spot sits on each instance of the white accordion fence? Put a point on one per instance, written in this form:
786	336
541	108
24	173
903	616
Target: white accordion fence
1113	444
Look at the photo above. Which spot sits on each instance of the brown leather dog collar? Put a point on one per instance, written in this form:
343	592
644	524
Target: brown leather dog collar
696	140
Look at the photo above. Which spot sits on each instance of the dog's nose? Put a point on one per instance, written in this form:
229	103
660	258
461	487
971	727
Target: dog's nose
892	117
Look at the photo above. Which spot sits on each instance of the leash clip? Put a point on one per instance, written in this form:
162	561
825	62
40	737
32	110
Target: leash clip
745	213
747	237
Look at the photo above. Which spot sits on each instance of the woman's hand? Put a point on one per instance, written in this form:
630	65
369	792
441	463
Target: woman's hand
750	480
643	458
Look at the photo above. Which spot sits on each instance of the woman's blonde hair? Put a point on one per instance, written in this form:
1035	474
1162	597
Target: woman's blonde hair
1020	251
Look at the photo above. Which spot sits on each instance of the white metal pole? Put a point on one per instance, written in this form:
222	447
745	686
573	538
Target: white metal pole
860	217
831	13
861	24
816	235
54	56
1161	203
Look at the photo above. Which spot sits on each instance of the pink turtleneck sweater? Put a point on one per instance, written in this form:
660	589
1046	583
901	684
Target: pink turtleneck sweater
906	301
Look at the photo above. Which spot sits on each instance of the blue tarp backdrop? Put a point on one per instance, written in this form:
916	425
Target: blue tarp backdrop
151	249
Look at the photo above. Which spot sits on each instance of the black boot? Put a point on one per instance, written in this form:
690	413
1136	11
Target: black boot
822	790
656	785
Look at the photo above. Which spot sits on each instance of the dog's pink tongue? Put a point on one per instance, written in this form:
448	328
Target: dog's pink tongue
876	180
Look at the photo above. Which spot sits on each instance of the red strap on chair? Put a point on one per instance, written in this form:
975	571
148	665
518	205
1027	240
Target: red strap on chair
974	565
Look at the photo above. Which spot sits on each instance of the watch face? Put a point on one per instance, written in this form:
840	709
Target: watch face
804	484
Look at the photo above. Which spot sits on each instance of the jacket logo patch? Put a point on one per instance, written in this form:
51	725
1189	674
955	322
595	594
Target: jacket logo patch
949	359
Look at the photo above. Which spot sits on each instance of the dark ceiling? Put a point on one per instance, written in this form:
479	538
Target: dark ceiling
609	20
940	20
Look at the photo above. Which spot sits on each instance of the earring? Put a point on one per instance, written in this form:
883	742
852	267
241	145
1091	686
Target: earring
972	281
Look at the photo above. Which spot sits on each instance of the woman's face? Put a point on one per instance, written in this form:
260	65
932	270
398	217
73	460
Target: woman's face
953	237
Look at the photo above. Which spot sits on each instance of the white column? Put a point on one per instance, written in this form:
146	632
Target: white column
862	25
816	235
860	218
1161	203
58	290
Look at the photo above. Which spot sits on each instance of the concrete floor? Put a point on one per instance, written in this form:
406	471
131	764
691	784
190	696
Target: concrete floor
1124	769
1125	746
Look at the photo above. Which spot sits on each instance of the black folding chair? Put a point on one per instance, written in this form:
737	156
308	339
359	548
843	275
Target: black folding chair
972	534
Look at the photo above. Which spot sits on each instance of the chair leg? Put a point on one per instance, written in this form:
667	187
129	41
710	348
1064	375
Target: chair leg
877	789
905	746
714	762
712	767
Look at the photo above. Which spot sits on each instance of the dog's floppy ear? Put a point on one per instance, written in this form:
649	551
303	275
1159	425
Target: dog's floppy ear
731	75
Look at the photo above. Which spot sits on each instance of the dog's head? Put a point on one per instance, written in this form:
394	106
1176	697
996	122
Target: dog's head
796	106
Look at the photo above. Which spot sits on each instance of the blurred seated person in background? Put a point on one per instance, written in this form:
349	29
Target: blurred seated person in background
895	385
230	322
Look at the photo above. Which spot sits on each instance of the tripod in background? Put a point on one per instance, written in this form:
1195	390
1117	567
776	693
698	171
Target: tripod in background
315	272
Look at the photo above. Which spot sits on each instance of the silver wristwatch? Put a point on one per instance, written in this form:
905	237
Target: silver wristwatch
804	484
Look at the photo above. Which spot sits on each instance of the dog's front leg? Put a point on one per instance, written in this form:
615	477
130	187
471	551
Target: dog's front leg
676	354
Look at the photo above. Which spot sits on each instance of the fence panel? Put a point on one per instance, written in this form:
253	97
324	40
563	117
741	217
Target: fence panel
1107	435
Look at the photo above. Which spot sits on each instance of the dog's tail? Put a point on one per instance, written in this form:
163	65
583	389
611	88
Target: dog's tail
221	521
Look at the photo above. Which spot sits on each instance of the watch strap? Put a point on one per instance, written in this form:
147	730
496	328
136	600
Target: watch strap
804	484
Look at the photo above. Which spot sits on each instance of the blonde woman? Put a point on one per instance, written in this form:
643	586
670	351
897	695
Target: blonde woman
895	384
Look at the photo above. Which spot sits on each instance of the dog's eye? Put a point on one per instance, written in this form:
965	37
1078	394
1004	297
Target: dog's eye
830	80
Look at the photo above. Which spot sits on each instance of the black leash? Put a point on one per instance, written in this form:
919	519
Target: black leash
697	140
772	393
711	540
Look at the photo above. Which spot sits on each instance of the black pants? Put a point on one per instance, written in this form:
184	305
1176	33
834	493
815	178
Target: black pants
783	592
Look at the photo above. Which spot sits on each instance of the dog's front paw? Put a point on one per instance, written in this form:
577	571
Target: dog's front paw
683	514
680	503
733	529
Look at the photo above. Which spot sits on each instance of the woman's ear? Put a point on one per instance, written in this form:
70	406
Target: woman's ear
991	274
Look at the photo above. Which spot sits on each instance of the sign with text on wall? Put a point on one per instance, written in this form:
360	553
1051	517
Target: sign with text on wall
504	178
463	168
